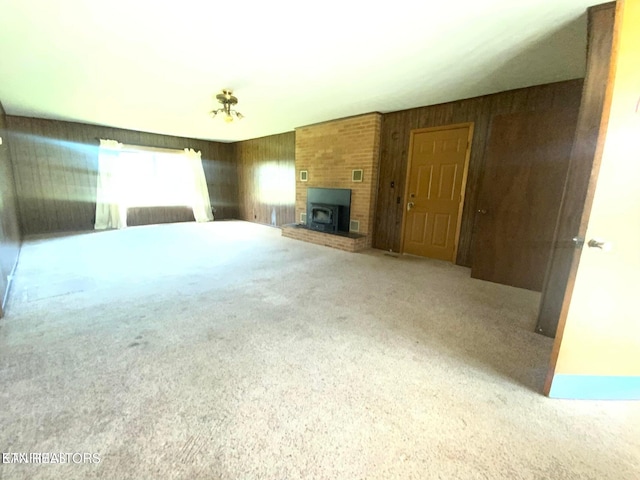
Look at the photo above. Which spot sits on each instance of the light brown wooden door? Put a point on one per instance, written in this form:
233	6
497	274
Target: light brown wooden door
438	161
525	167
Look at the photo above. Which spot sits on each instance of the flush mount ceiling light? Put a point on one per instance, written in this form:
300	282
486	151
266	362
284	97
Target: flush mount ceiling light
227	100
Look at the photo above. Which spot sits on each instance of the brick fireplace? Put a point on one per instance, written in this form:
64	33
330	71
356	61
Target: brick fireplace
329	152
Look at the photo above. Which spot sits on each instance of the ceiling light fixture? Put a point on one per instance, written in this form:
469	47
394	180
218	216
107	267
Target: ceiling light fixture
227	100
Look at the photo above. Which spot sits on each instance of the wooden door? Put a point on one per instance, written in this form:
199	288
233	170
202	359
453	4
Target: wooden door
572	219
596	353
526	163
436	177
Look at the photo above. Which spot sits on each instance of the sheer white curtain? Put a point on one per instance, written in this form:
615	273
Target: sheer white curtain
131	176
201	204
110	212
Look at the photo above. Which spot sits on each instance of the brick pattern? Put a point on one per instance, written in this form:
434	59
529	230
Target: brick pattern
329	151
347	244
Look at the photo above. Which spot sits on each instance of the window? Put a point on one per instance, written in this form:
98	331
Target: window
156	179
136	177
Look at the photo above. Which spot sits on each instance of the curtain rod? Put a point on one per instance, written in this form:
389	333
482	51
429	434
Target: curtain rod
132	146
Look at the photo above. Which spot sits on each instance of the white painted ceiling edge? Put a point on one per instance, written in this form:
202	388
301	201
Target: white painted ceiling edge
156	66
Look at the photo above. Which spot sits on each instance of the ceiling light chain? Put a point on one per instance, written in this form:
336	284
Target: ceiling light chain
227	100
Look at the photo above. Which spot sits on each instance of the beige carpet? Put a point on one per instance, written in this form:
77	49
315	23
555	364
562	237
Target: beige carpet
224	351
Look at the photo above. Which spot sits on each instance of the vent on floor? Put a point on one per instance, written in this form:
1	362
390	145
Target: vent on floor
303	218
354	226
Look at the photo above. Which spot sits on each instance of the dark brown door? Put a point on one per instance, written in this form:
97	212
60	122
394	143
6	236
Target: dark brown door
526	164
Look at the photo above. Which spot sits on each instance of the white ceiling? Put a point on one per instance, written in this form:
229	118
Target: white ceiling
156	66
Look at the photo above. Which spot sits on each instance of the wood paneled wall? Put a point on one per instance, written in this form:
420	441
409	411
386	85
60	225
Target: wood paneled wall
9	229
153	215
266	179
55	167
396	128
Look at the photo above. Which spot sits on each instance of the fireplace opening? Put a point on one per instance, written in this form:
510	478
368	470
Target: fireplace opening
328	209
324	217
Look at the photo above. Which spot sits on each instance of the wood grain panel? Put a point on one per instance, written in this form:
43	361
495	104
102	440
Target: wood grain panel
582	171
55	165
266	179
9	224
154	215
526	163
396	128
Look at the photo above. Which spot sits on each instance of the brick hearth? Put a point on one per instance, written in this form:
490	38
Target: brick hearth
351	243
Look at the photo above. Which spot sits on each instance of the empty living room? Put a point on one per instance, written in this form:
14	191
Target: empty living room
320	241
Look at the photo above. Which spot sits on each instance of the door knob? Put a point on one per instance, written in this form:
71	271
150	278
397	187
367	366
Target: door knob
482	211
598	243
410	205
593	243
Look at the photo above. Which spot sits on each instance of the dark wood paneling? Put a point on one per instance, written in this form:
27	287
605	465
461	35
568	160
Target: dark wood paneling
55	165
396	128
155	215
526	163
582	172
266	179
9	225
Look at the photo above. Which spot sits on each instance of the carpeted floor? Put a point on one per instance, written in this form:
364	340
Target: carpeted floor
224	351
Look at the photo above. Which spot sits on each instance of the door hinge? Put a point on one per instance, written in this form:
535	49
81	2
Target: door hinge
578	242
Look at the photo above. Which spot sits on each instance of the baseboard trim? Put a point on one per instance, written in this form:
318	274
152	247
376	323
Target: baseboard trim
595	387
5	296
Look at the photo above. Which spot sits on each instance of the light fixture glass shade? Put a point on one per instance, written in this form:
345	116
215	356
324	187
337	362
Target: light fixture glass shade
227	100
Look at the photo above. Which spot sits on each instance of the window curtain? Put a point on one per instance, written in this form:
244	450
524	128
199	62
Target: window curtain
201	204
131	176
110	212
